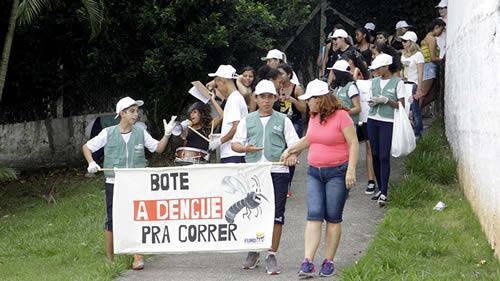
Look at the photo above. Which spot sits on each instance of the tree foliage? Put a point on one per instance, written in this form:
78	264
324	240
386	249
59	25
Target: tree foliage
147	49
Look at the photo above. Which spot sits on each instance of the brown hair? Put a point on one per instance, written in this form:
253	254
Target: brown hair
327	105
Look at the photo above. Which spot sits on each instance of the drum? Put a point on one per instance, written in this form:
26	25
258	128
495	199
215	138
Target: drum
191	155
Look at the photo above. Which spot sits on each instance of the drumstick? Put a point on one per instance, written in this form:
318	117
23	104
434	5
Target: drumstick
198	133
212	129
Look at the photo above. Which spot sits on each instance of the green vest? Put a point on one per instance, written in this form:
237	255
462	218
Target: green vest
343	95
119	154
390	91
274	143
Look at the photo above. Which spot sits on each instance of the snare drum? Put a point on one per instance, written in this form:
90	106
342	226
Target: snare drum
191	155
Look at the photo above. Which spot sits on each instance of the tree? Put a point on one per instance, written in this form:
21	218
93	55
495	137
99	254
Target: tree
29	10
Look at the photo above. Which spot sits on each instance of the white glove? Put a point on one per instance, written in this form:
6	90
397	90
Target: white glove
380	99
214	144
186	123
168	127
93	167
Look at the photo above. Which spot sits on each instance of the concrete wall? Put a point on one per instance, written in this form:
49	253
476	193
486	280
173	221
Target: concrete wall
472	105
46	143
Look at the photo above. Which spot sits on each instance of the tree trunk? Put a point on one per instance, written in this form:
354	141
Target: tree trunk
7	45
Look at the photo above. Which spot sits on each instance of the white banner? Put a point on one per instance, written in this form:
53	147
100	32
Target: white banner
198	208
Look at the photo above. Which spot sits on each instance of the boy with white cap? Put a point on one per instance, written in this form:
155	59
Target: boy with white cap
123	148
263	135
394	40
235	110
344	49
276	57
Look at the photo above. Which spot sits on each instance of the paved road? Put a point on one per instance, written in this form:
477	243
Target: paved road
361	216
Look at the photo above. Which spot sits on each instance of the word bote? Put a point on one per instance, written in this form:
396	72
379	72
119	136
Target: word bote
170	181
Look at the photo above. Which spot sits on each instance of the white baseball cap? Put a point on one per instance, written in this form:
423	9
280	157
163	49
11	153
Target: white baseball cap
442	4
273	54
402	24
125	103
225	71
340	33
265	87
315	88
410	36
370	26
340	65
381	60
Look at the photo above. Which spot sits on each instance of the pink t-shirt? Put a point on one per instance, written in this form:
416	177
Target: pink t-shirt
328	146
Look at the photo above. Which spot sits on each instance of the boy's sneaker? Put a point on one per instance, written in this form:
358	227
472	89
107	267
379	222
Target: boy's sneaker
253	259
370	189
307	269
377	195
138	263
382	200
327	268
272	267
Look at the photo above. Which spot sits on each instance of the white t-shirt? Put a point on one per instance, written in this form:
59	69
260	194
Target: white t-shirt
291	138
101	139
410	70
235	110
400	93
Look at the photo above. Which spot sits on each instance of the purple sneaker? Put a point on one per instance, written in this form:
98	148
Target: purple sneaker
327	268
307	269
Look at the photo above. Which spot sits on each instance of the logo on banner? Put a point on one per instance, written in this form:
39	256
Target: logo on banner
249	190
259	238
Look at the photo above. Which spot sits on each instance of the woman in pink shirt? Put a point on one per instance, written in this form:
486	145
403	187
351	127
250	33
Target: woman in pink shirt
333	154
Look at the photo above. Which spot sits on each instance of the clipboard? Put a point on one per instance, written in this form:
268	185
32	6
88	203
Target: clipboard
199	91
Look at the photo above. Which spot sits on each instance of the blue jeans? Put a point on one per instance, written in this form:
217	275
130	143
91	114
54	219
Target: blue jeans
380	135
326	193
417	114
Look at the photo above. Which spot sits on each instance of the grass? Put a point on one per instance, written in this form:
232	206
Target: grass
414	242
62	240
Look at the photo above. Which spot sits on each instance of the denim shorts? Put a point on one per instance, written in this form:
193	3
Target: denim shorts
326	193
430	70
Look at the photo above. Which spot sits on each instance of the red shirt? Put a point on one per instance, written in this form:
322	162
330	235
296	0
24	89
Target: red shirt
328	146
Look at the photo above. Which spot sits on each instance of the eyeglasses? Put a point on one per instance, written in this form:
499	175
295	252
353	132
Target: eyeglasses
404	41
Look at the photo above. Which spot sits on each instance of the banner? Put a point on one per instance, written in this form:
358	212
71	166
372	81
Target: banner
197	208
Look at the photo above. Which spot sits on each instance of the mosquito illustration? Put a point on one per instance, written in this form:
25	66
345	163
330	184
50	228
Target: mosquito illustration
250	189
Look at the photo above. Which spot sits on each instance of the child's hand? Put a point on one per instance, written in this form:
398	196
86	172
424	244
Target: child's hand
93	167
169	126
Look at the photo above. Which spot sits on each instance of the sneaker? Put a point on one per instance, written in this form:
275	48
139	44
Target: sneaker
370	189
307	269
138	263
377	195
382	200
253	259
289	194
327	268
272	267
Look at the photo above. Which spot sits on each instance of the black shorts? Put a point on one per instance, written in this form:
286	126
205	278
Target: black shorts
362	132
108	224
280	182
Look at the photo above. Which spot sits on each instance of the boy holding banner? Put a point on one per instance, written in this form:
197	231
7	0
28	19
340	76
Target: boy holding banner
123	148
263	135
